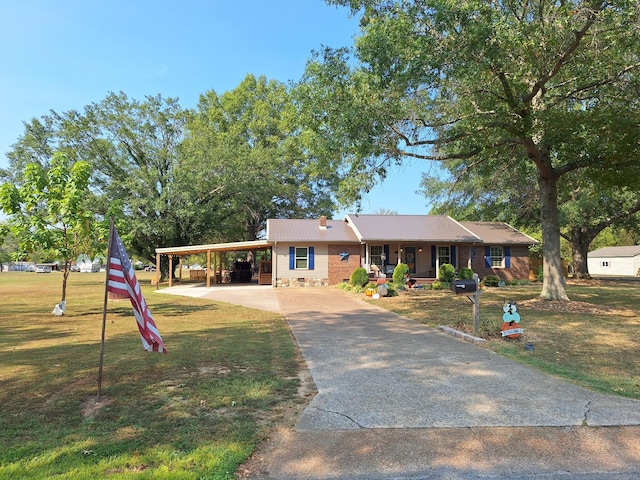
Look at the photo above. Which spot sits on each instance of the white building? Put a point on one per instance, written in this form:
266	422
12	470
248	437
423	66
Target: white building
615	261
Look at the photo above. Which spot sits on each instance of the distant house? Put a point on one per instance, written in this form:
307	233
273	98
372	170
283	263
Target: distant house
325	252
615	261
86	265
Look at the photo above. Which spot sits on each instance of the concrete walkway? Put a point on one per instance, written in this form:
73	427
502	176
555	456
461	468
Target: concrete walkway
397	400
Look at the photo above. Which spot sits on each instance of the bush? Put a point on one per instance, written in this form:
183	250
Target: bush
398	273
491	281
446	272
438	285
465	274
359	277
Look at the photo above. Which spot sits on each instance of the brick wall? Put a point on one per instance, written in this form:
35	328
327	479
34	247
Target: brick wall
342	269
519	269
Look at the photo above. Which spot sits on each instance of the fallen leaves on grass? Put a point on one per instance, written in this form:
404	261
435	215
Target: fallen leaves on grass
573	307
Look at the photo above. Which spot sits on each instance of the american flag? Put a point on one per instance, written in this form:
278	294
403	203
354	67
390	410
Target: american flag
123	282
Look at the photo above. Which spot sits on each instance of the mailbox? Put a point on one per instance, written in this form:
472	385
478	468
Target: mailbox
464	286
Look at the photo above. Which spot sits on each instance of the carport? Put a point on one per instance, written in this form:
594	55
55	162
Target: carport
214	259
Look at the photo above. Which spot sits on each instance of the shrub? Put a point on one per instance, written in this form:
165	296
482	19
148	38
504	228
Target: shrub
359	277
465	274
491	281
398	273
446	272
438	285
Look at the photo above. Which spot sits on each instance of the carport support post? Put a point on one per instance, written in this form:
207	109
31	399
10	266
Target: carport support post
209	268
157	271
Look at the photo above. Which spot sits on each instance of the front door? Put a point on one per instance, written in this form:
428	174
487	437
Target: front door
410	258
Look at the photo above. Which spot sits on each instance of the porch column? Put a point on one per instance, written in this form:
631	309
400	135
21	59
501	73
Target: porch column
209	268
157	271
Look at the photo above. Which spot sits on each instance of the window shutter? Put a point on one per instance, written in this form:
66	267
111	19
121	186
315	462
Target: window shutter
487	256
507	257
292	258
433	256
454	259
311	259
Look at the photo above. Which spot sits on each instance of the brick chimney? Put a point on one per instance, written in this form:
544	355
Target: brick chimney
323	222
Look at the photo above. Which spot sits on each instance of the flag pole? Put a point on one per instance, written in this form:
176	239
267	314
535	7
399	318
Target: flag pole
104	310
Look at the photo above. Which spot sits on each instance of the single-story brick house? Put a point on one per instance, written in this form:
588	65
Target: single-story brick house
618	261
325	252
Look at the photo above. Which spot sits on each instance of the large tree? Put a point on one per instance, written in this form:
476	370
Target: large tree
495	83
246	152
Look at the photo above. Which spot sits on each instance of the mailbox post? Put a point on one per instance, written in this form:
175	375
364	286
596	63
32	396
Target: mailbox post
472	290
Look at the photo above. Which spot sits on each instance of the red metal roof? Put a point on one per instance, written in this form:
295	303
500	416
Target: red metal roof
305	230
409	228
499	233
395	228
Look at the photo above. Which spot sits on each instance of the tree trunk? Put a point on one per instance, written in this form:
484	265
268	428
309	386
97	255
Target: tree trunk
580	248
65	276
553	278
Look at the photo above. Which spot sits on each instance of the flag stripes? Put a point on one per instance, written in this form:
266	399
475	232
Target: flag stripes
122	281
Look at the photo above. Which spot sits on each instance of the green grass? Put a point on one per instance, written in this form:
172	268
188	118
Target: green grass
197	412
592	340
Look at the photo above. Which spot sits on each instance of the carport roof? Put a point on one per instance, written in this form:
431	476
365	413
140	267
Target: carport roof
215	247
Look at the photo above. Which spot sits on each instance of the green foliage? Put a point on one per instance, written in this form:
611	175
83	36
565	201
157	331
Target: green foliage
398	273
446	273
438	285
465	274
491	281
246	155
540	273
359	277
48	211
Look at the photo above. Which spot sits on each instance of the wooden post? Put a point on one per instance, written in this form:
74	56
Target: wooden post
170	270
157	271
209	269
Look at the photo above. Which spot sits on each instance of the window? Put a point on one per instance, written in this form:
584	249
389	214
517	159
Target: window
497	257
302	258
376	255
605	264
444	255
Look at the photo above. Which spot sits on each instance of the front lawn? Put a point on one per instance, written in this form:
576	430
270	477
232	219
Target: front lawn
195	413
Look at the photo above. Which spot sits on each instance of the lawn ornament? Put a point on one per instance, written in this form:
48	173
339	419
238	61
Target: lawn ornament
59	308
511	321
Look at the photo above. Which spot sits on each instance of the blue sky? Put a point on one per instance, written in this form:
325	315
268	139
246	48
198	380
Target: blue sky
64	54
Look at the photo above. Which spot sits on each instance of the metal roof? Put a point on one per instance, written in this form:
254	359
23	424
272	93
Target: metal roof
309	230
629	251
410	228
215	247
499	233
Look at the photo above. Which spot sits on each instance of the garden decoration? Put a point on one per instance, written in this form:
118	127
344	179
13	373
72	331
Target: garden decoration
511	321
